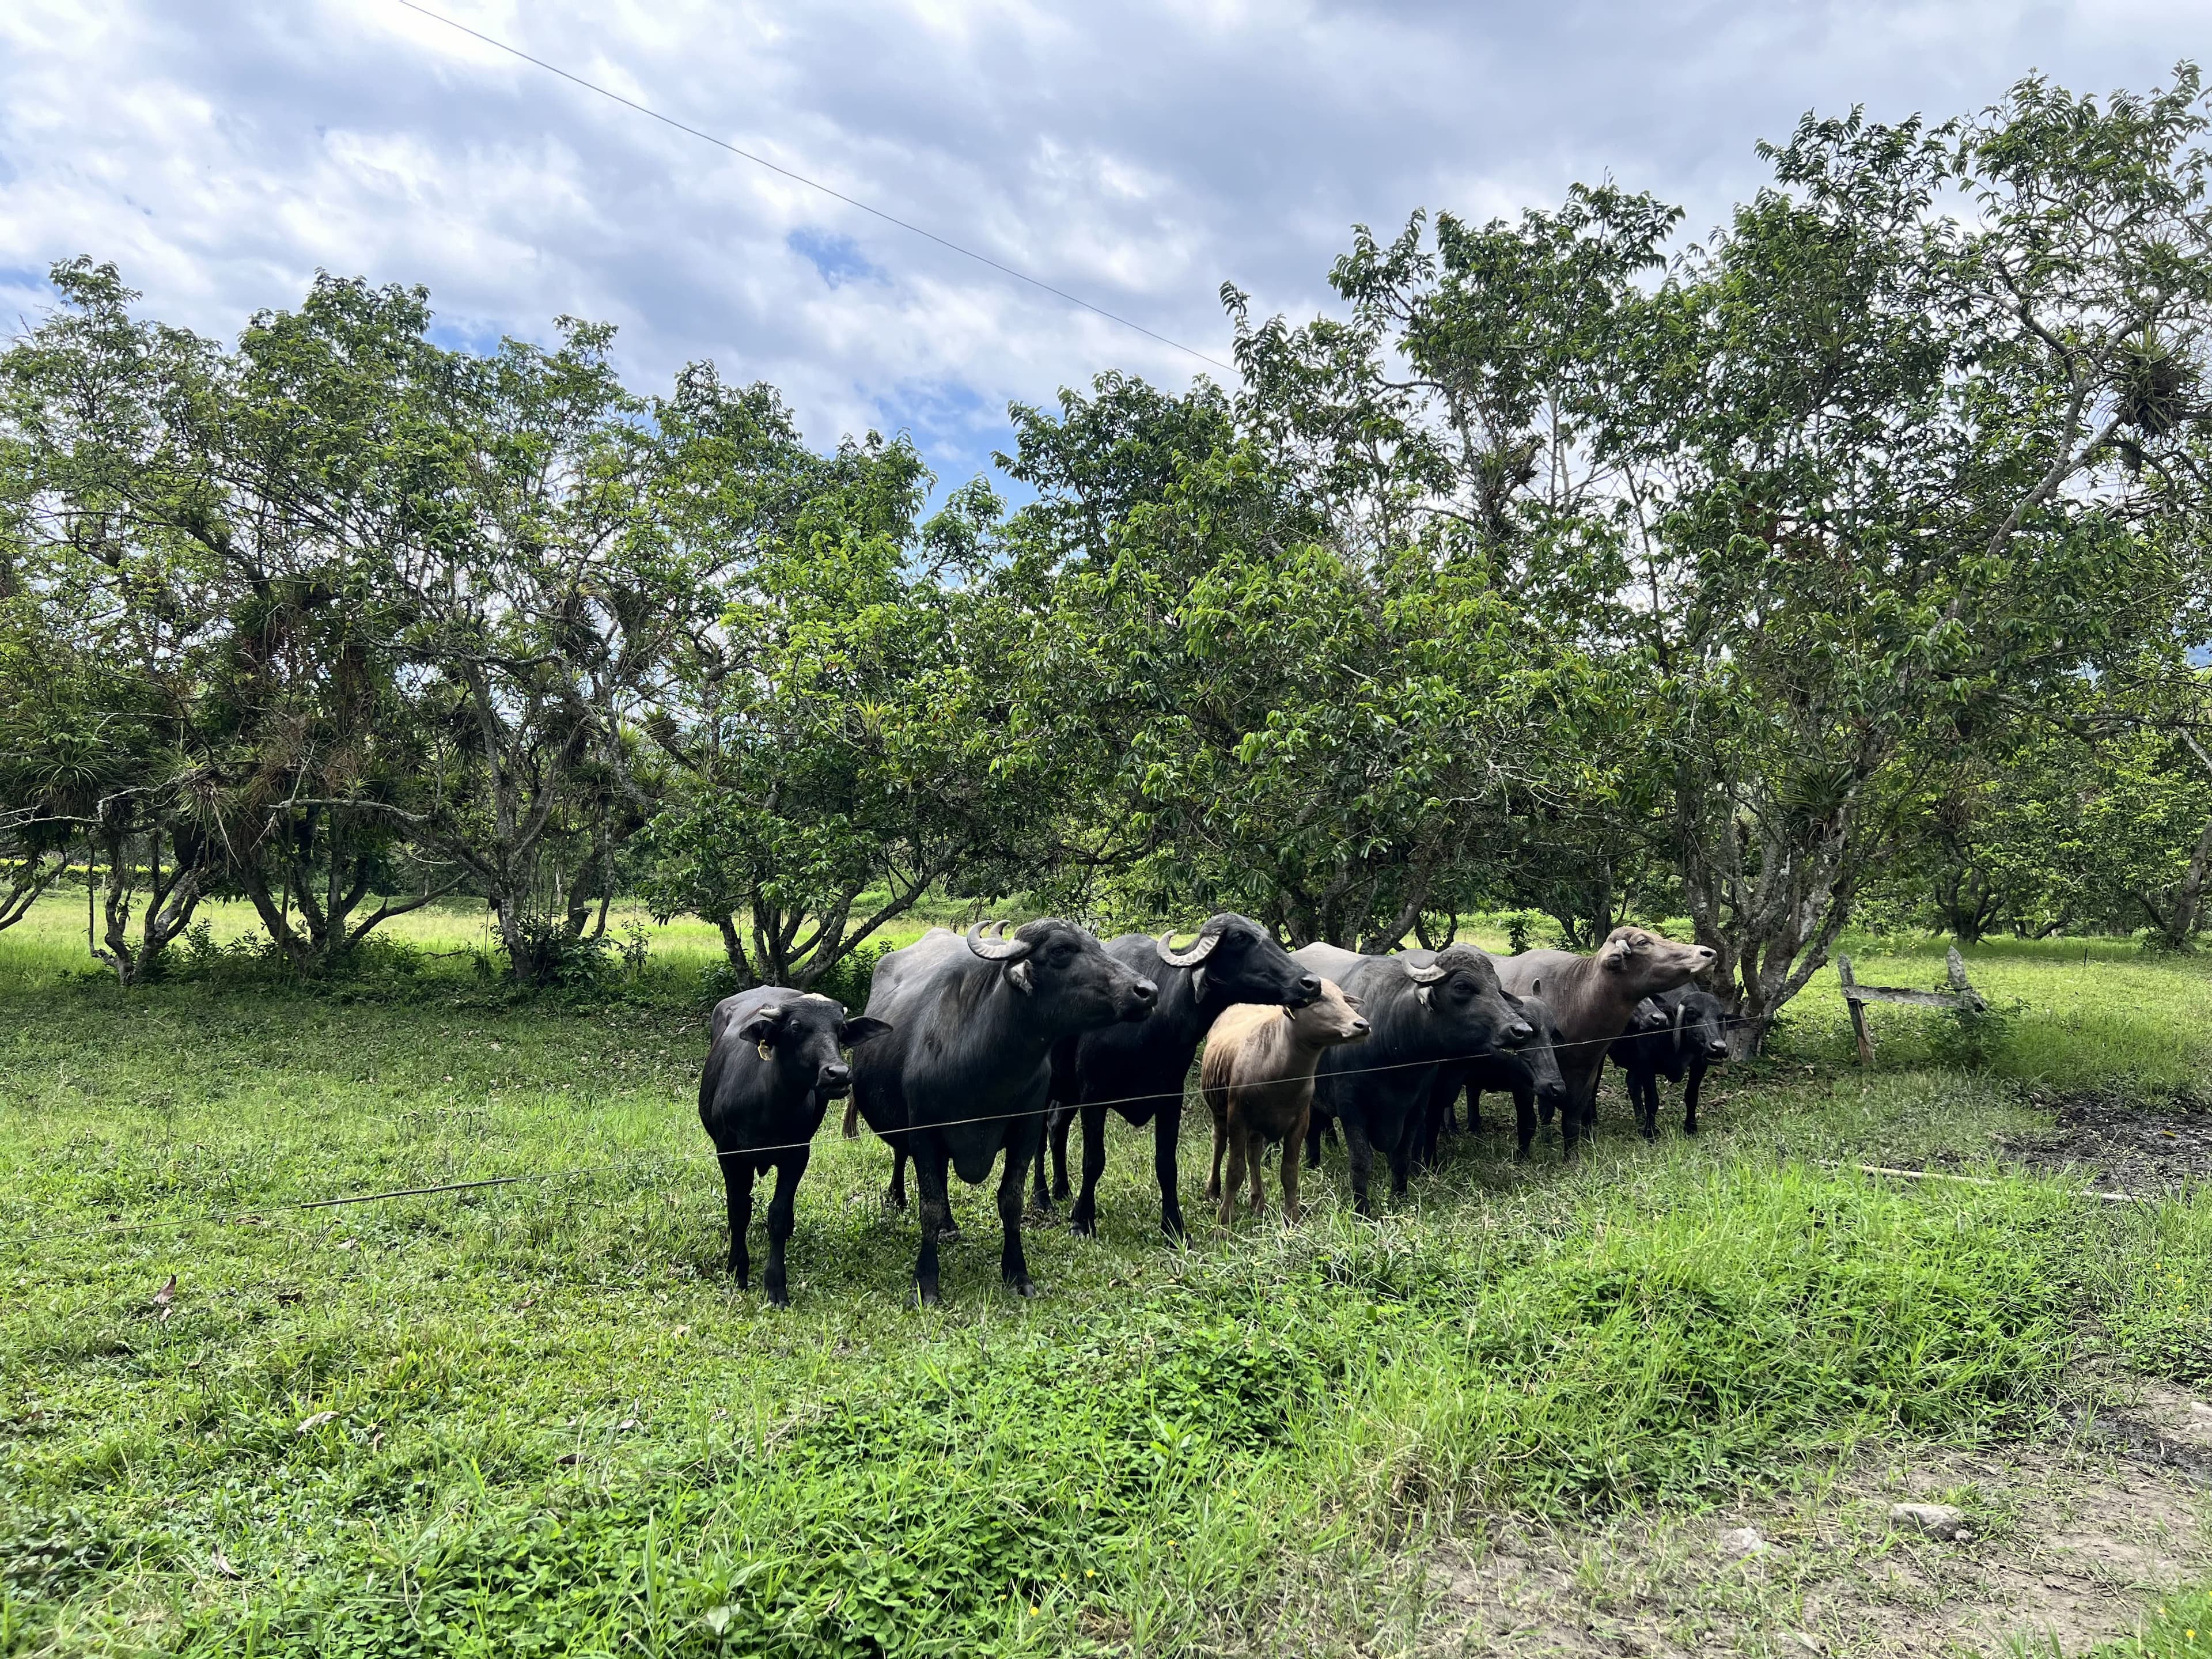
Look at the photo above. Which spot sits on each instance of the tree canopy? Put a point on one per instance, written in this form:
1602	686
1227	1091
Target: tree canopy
1848	561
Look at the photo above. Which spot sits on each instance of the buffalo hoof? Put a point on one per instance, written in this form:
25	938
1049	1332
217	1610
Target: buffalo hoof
779	1298
1083	1227
928	1296
1024	1289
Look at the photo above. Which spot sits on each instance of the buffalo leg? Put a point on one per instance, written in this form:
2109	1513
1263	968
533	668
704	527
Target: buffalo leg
1291	1170
1056	1132
1167	1130
738	1181
1361	1155
1316	1130
1571	1124
1256	1145
1013	1264
896	1198
1041	1192
1400	1152
1085	1218
929	1183
1234	1135
1428	1124
1221	1132
1690	1096
1054	1144
780	1221
1524	1123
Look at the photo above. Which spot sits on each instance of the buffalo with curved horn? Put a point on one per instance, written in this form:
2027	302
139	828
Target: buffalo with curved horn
1428	1009
1139	1071
964	1072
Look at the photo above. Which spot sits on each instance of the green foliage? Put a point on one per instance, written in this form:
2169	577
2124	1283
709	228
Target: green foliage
2158	1305
1852	555
1972	1038
2179	1626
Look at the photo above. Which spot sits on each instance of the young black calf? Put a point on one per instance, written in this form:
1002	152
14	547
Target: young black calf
1676	1035
1529	1073
772	1071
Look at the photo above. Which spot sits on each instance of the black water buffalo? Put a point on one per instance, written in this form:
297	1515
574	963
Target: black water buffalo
773	1066
1594	997
1529	1073
1139	1071
1676	1035
1426	1008
965	1071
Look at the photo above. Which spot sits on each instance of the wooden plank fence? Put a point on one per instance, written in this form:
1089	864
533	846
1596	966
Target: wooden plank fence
1857	996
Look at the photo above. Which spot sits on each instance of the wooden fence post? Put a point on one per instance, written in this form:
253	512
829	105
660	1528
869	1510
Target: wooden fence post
1961	996
1858	1011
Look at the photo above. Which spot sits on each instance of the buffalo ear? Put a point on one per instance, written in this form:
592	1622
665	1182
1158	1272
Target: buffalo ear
1536	986
860	1028
1197	982
761	1026
1614	961
1018	976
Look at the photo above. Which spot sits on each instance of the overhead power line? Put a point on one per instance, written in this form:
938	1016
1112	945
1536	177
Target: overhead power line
815	184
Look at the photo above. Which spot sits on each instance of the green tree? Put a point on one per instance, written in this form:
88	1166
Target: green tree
833	739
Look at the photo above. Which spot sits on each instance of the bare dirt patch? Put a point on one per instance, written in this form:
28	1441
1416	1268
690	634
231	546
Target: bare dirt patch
2067	1544
2120	1142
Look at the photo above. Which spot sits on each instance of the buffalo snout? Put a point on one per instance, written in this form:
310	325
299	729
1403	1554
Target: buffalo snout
1141	997
1716	1049
834	1079
1707	956
1519	1032
1309	991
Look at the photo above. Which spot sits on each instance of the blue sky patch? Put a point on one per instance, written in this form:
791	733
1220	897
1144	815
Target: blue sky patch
837	257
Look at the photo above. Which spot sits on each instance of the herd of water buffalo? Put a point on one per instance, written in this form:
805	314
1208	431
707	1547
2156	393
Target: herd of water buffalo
980	1050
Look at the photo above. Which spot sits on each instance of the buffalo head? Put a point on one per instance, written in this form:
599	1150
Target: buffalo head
1062	968
1649	962
804	1037
1237	960
1459	988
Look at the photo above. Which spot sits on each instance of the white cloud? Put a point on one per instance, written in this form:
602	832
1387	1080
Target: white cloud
1137	154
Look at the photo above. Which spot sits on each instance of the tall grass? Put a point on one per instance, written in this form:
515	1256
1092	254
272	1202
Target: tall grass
535	1419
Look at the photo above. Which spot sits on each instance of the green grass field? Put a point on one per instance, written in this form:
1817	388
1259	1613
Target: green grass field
534	1418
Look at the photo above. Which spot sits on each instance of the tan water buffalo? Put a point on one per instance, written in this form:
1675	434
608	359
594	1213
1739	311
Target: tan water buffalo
1257	1078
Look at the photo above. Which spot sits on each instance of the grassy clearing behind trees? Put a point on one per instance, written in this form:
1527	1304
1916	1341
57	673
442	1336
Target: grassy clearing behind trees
554	1428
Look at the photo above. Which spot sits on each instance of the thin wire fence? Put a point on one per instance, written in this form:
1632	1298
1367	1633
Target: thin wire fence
263	1212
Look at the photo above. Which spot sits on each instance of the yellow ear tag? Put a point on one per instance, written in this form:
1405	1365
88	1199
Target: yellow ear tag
763	1047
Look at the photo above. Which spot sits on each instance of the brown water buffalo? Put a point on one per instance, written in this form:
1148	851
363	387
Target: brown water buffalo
1258	1080
1594	998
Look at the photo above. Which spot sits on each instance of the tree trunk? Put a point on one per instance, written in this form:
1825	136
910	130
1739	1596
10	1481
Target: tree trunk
2182	915
30	880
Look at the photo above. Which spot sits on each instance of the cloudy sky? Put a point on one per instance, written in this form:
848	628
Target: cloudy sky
1137	154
